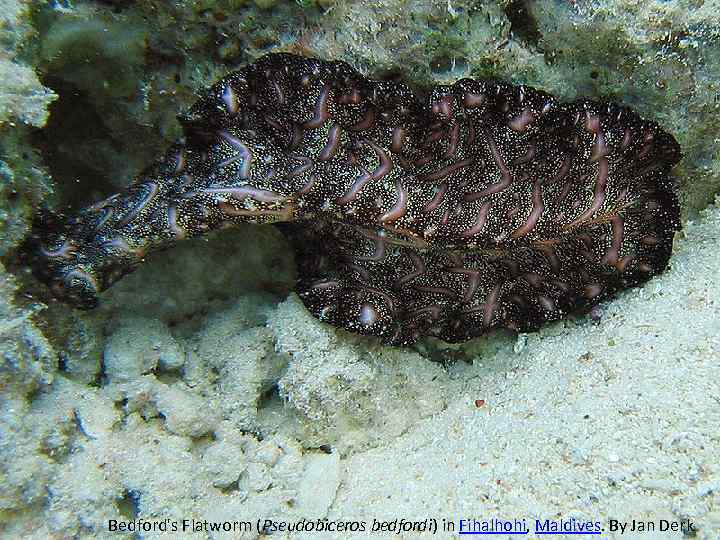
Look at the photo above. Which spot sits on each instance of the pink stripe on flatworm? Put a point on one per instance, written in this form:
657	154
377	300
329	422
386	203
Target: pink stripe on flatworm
473	100
400	207
321	110
490	304
479	224
398	139
522	122
437	198
535	213
453	138
447	170
176	229
599	195
417	272
135	210
230	100
243	150
355	188
367	122
331	145
504	172
613	253
242	192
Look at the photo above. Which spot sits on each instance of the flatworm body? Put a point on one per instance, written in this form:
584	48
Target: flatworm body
480	205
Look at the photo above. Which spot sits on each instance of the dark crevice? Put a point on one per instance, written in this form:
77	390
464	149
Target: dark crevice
168	376
523	24
231	488
268	397
116	5
200	444
101	379
129	505
121	404
74	125
62	363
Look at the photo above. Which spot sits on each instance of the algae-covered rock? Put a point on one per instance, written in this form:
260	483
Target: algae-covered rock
23	185
26	357
26	368
184	412
24	103
245	362
22	97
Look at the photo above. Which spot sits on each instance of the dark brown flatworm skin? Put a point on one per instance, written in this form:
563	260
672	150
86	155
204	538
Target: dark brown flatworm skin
482	205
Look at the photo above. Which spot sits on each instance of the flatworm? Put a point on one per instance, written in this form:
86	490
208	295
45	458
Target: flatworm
481	205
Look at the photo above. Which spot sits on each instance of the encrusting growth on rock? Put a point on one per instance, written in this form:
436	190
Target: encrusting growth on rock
477	206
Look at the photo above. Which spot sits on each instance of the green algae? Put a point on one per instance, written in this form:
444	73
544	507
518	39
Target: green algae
24	186
24	105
